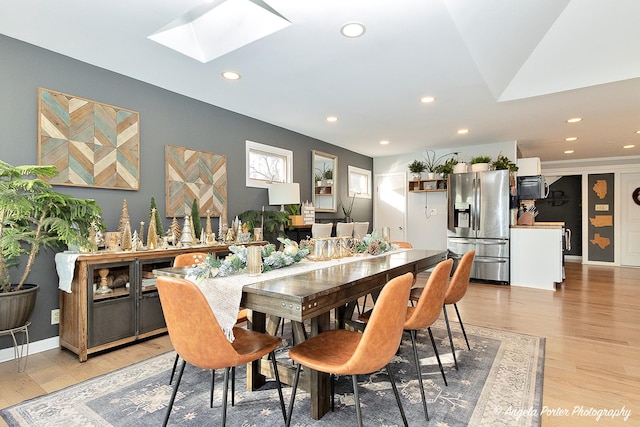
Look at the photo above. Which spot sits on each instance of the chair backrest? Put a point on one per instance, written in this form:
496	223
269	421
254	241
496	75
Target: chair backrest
360	229
189	260
406	245
344	229
429	306
460	280
194	330
319	231
381	337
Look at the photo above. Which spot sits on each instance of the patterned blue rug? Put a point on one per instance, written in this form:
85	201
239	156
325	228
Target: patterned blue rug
498	381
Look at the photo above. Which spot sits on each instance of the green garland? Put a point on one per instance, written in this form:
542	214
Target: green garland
236	261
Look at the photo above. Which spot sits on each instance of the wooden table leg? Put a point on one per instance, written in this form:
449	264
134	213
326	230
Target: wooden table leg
320	382
256	322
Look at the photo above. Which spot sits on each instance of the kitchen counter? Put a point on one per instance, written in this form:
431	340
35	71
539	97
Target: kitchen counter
536	255
544	225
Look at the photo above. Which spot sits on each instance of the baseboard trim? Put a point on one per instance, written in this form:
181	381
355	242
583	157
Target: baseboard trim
7	354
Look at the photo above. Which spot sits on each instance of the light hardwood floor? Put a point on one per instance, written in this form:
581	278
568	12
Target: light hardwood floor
591	324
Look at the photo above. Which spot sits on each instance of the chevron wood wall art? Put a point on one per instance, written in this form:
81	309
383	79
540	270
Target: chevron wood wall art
195	175
92	144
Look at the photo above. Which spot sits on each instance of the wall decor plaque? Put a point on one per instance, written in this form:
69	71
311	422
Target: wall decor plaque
92	144
195	175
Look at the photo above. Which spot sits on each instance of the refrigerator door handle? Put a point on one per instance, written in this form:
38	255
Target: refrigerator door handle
490	260
476	202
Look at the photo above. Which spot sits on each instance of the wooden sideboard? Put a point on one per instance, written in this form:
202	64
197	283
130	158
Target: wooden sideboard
91	321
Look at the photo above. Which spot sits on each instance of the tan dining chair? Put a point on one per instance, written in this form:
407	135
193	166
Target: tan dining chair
405	245
198	338
423	315
190	260
457	289
360	229
343	352
320	231
344	229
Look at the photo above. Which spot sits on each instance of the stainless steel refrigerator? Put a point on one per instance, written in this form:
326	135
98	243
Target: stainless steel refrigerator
478	218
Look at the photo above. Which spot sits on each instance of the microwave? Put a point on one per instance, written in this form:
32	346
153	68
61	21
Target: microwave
532	187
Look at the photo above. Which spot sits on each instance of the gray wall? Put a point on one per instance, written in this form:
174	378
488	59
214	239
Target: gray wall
165	118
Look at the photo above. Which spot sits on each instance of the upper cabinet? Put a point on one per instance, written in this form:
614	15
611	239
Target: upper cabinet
325	179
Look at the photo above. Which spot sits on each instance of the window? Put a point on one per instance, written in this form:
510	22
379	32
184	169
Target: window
359	182
267	164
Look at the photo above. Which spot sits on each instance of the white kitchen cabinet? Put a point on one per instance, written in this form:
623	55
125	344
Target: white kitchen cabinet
536	256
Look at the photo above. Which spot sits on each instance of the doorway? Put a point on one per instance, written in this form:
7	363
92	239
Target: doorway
390	204
630	219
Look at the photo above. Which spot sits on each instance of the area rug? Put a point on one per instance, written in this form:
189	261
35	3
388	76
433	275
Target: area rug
499	383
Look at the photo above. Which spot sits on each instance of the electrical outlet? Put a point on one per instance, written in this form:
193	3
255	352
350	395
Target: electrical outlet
433	212
55	316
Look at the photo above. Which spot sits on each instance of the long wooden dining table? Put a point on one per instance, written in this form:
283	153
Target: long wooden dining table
312	295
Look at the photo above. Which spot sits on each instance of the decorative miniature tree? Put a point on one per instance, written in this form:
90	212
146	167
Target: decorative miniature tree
195	217
174	231
159	229
124	216
152	235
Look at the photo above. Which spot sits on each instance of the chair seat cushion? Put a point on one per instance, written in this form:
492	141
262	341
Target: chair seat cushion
250	344
327	352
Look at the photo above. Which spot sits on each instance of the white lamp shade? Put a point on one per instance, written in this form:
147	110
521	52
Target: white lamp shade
284	193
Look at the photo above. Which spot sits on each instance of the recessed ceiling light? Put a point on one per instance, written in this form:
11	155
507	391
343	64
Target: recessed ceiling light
352	29
384	142
574	120
463	131
568	152
332	119
628	146
571	138
638	131
231	75
427	99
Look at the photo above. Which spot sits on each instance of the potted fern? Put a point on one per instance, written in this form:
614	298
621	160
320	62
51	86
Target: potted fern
480	163
416	168
33	216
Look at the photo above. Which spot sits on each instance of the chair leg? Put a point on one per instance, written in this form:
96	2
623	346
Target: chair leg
333	391
435	350
173	394
462	326
213	379
356	398
293	395
395	391
173	371
278	384
453	350
233	386
224	396
419	372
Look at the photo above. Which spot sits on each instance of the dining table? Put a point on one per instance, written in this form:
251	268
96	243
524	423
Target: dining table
311	296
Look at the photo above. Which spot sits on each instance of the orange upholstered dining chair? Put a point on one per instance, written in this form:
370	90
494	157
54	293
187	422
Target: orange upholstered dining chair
191	260
405	245
198	338
344	352
457	289
424	314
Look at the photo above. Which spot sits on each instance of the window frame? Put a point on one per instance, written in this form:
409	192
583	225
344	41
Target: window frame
355	173
253	147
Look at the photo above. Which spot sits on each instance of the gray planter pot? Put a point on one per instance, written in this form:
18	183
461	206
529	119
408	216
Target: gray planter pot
16	307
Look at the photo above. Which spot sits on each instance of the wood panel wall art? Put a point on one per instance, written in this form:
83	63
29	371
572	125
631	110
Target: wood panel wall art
195	175
92	144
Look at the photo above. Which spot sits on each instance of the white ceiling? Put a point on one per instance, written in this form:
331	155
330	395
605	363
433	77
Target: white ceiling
508	70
